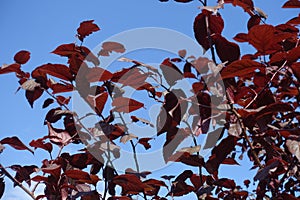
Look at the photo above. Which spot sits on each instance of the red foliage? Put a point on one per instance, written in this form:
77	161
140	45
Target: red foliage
251	108
86	28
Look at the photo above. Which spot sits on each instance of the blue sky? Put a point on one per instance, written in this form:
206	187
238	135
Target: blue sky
40	26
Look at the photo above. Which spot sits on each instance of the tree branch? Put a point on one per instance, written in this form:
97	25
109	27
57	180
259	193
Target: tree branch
244	134
16	182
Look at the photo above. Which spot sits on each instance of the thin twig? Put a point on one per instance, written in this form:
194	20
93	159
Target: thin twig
244	134
16	182
271	79
198	154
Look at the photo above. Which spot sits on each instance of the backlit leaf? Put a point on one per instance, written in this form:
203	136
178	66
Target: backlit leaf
126	105
263	38
16	143
216	25
145	142
98	74
56	70
291	4
227	51
10	68
58	136
254	20
109	47
241	37
39	143
22	57
65	50
241	68
86	28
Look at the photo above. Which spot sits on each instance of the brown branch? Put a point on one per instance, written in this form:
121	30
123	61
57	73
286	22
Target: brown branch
244	134
16	182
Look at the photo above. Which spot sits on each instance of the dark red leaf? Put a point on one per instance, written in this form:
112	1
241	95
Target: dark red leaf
241	68
109	47
216	25
142	174
247	182
196	181
241	37
10	68
22	57
293	55
167	177
219	154
263	38
126	105
294	21
65	50
179	187
296	70
98	74
171	72
145	142
39	143
47	102
23	173
291	4
273	109
86	28
56	70
155	184
173	138
39	178
254	20
201	120
132	77
187	158
227	51
77	174
16	143
55	114
230	161
60	88
61	100
201	65
98	102
247	5
58	136
53	169
31	96
226	183
131	184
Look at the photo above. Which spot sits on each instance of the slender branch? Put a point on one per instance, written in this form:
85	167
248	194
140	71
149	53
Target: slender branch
131	142
267	85
132	145
244	134
198	154
16	182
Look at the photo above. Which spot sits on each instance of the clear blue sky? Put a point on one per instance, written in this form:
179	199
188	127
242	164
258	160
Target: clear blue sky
40	26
